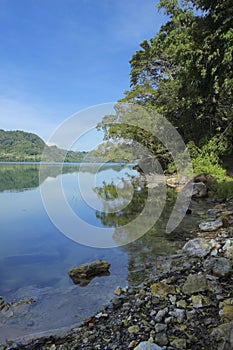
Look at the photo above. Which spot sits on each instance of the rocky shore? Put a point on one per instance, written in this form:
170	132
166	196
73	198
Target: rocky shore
187	303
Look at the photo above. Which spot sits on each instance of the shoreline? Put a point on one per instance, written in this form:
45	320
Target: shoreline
186	304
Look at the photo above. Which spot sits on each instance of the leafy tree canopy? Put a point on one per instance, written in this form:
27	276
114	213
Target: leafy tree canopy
24	146
185	73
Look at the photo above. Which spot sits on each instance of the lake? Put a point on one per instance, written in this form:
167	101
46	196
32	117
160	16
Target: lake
36	253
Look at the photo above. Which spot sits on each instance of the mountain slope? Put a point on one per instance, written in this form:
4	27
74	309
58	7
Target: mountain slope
21	146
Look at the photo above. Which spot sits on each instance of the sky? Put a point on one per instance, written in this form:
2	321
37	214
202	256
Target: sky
62	56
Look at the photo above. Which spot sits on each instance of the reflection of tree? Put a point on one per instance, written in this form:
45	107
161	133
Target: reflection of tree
23	176
153	243
111	218
20	177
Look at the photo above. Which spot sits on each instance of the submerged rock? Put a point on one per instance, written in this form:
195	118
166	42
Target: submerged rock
5	308
84	273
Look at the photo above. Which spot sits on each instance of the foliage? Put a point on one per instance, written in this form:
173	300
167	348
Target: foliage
207	158
20	146
185	73
224	189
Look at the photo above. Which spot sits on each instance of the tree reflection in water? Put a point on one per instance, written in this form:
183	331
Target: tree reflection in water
153	243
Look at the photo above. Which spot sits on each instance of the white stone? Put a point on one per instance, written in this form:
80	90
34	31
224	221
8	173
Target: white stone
146	345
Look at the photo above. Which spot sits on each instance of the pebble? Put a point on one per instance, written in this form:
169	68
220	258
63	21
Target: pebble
148	346
188	305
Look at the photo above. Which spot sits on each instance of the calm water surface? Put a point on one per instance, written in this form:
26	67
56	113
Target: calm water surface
35	256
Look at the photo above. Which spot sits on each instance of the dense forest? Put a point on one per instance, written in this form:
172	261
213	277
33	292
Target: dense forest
20	146
184	73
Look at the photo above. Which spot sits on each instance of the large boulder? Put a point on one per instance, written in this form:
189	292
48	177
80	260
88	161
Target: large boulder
84	273
199	247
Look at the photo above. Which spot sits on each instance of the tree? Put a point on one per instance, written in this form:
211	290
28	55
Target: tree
186	72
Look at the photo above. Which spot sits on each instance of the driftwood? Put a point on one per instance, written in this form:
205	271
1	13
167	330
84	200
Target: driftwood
84	273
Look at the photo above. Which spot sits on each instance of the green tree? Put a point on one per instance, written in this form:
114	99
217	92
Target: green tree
186	72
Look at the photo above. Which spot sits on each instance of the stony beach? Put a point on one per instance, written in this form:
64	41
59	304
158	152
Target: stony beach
185	303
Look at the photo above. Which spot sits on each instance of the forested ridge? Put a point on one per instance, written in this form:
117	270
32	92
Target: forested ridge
21	146
184	73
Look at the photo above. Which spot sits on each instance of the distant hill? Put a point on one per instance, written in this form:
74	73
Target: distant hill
21	146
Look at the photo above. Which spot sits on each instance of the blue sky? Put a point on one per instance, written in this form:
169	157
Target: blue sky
61	56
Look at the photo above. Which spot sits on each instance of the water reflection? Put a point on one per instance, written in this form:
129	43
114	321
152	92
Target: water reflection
155	242
25	176
35	257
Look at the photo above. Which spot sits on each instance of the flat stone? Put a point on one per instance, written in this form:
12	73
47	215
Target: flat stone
161	339
219	267
199	301
162	289
146	345
181	303
161	314
179	343
195	283
179	314
227	312
226	307
210	225
199	247
160	327
133	329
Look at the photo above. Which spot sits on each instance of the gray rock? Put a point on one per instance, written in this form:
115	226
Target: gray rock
219	267
199	247
195	283
160	327
210	225
213	212
223	336
179	314
146	345
161	314
228	243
